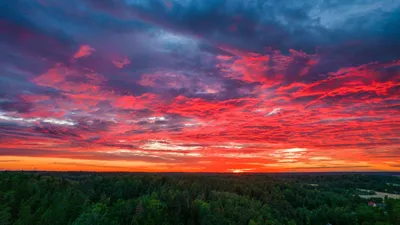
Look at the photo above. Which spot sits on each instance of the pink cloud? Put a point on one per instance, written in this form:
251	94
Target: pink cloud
84	51
121	63
136	102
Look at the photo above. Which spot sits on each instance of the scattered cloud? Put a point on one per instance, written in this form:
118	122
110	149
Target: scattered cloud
121	63
35	120
84	51
274	112
164	145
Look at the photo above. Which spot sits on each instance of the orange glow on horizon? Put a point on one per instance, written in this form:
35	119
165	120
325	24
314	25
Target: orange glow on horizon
66	164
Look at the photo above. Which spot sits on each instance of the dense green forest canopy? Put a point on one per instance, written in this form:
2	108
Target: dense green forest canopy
29	198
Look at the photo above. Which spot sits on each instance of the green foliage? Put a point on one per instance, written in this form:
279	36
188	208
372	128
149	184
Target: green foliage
97	214
5	216
168	199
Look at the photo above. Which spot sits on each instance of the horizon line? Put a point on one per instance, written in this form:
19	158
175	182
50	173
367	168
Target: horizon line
189	172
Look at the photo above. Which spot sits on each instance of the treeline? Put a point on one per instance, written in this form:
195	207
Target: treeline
190	199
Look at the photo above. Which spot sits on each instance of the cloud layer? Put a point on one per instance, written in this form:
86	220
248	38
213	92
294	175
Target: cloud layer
185	85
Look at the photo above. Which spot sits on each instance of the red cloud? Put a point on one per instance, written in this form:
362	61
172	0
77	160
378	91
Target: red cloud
136	102
121	62
200	108
84	51
69	80
346	118
269	69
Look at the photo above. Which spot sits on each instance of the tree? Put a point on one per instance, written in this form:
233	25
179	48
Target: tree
96	215
5	216
252	222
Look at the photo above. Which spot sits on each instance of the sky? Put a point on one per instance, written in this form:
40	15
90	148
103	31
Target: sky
200	86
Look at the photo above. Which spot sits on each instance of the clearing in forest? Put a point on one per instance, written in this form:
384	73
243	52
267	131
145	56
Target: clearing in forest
379	194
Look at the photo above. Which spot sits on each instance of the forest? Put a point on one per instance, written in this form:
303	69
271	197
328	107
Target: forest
50	198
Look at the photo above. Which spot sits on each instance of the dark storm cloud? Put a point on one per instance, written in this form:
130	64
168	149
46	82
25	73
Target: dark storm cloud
17	105
28	36
87	124
56	132
295	21
283	26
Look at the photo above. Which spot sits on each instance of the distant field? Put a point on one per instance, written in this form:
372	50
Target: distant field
379	194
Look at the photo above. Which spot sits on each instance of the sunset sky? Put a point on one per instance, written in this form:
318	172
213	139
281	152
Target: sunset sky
200	86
